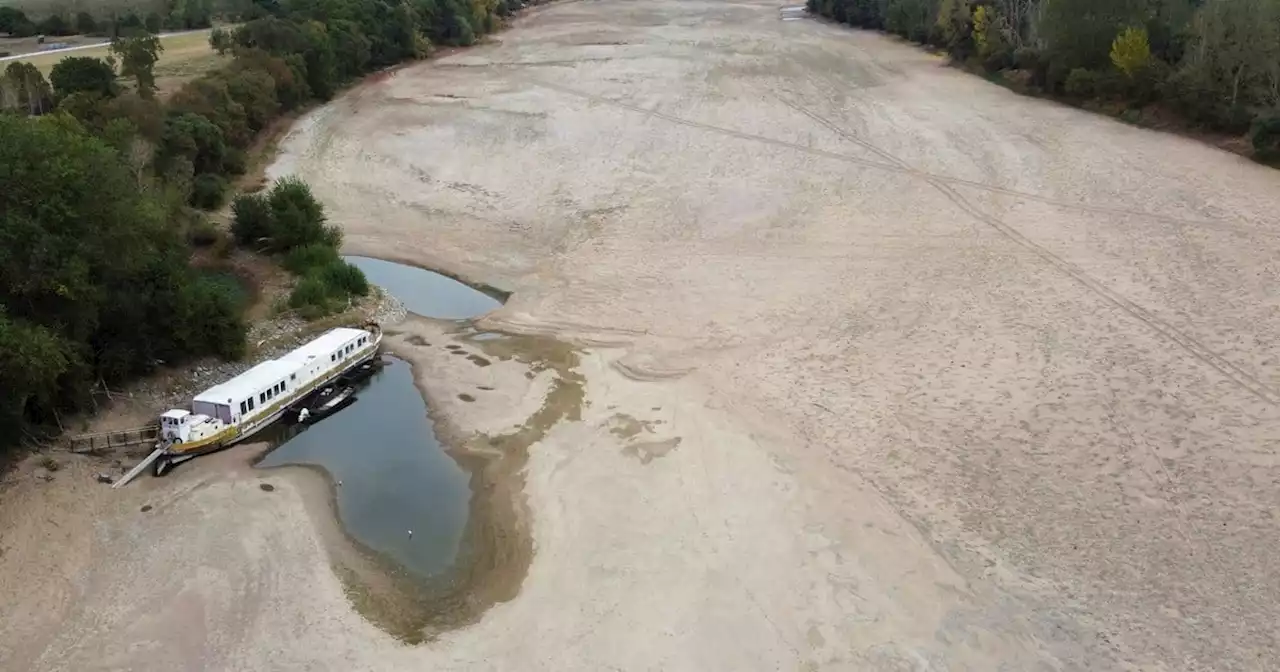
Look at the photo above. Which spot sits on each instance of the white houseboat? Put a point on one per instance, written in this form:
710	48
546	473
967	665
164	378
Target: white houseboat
229	413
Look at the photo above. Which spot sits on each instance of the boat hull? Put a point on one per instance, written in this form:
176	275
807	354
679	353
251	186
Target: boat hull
177	453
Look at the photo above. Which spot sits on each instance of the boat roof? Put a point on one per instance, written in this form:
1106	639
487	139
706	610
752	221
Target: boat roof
250	382
327	343
176	413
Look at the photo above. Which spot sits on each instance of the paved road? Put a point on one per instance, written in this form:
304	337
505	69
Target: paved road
163	36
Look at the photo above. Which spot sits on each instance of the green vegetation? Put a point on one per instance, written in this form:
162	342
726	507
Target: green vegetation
113	21
94	280
1213	63
289	220
98	219
80	73
138	56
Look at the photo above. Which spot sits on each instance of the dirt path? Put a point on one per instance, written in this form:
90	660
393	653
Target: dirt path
884	368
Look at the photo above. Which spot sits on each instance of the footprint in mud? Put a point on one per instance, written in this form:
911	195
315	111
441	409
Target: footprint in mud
459	352
417	340
648	451
266	487
486	388
478	360
453	346
466	397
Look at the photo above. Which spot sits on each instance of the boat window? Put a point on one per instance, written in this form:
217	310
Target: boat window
293	376
243	409
250	403
262	398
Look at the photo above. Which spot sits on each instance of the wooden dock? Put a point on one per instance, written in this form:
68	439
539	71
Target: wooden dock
87	443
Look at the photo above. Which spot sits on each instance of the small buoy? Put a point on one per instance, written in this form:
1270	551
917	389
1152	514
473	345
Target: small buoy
411	533
339	483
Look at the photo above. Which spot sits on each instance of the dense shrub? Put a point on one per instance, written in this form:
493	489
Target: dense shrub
75	74
1265	137
1082	83
306	258
208	191
203	233
94	278
251	220
343	278
310	298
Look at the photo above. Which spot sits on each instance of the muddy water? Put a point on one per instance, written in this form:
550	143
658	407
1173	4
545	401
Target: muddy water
424	292
397	492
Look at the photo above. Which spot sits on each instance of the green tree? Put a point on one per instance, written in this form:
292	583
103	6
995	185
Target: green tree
1235	52
1079	33
1131	51
138	56
194	138
90	268
955	23
74	74
86	24
32	359
24	88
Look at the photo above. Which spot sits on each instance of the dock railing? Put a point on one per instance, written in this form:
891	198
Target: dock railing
87	443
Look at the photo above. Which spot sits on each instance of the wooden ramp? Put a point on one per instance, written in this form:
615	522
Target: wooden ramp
86	443
133	473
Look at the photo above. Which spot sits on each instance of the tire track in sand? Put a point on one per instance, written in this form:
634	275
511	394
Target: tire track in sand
1238	376
903	169
1242	379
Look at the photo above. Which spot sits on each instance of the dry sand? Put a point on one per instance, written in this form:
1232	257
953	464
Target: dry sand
883	367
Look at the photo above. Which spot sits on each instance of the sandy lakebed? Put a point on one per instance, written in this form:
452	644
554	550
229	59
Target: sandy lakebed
820	354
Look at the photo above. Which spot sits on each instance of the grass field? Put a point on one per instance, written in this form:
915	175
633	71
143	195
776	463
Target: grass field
185	55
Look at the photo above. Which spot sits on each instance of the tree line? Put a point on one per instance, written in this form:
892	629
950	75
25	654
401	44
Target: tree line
174	15
1215	63
105	184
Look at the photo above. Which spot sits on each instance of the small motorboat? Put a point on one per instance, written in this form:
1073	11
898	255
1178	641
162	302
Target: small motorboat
327	402
361	372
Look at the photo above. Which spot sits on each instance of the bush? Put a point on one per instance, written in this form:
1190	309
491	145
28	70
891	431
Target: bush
153	23
310	297
1265	136
235	161
1000	59
307	258
196	138
208	191
297	217
251	219
1131	51
343	279
74	74
203	233
1082	83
